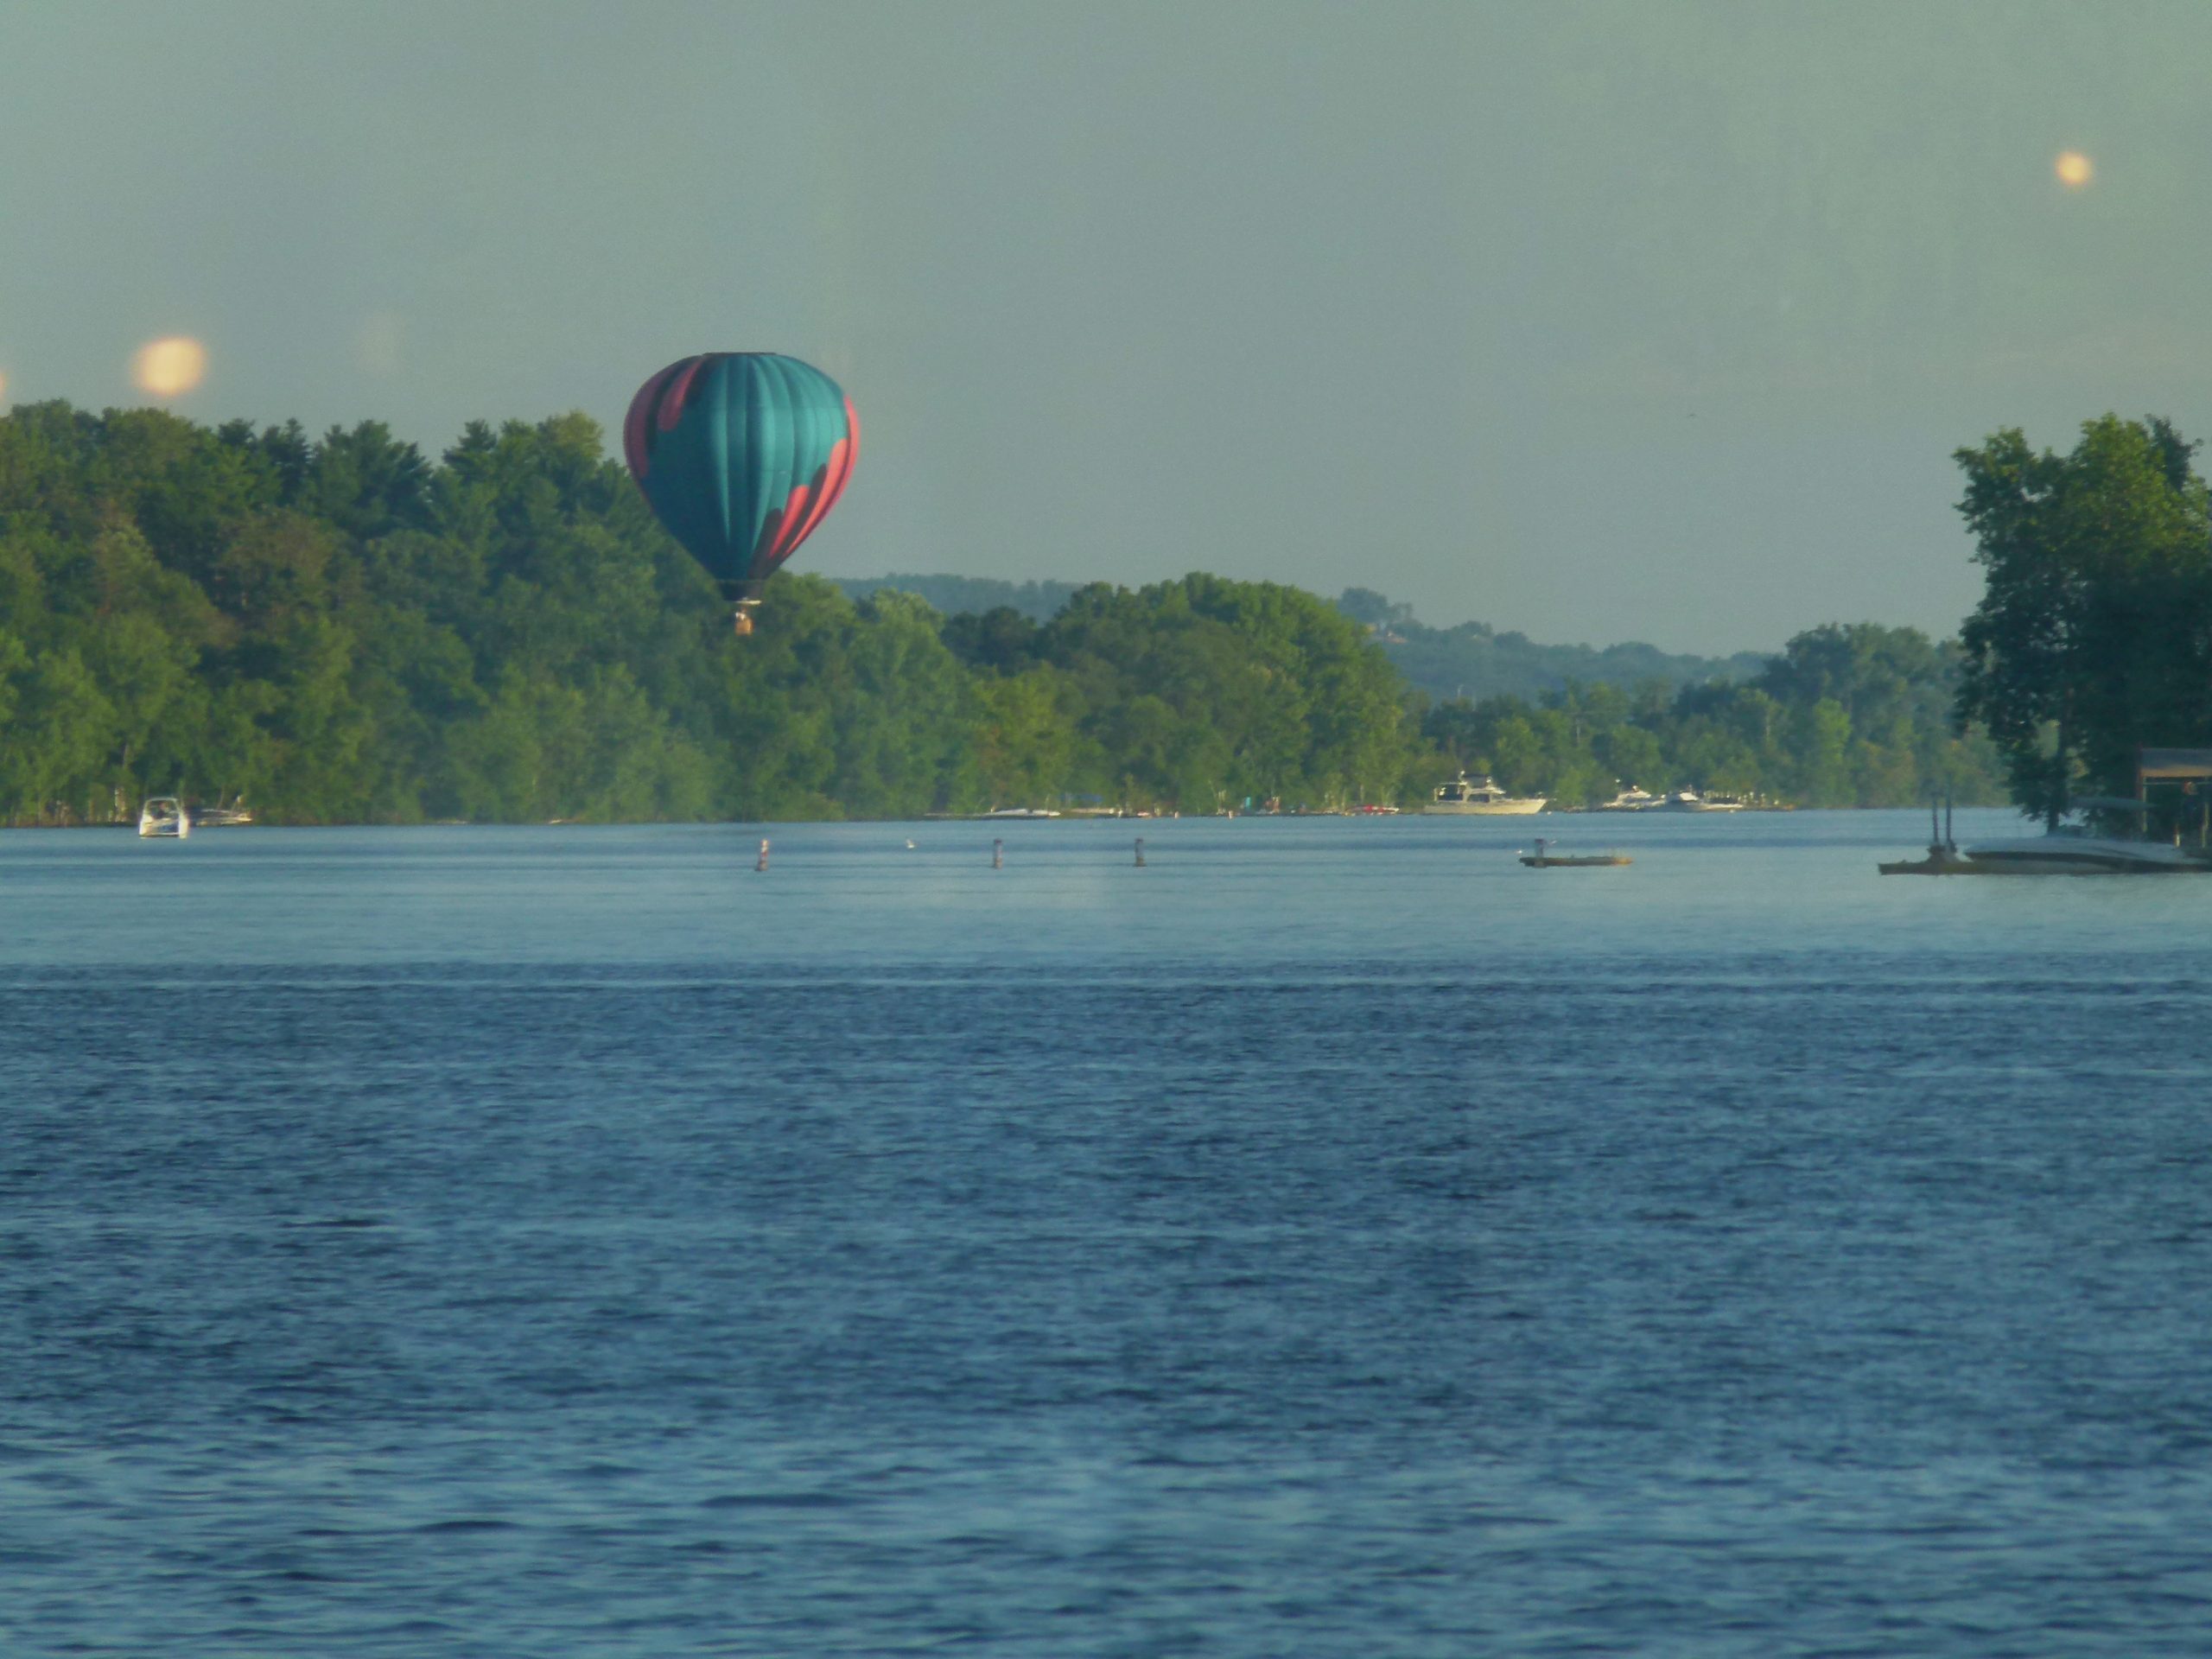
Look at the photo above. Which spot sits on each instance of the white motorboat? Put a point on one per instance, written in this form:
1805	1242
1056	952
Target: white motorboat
1688	800
1630	799
220	817
1481	797
164	816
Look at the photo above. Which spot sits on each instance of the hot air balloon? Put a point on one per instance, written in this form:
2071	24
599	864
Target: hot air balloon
740	455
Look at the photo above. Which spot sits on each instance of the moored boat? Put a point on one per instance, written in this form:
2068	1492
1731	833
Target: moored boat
220	817
164	817
1478	796
1544	859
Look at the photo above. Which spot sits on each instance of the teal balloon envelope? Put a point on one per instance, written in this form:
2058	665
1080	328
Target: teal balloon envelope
741	454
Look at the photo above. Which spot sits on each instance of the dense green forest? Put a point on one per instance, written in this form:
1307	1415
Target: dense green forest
342	629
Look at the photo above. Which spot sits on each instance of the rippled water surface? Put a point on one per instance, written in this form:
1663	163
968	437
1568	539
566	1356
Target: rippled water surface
1329	1239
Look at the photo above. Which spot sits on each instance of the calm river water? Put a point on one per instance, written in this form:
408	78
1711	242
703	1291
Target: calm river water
1331	1239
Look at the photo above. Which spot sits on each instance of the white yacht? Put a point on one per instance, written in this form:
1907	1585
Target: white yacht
1630	799
1480	796
164	816
1688	800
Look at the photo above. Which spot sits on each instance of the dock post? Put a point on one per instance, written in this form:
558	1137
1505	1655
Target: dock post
998	853
761	863
1139	852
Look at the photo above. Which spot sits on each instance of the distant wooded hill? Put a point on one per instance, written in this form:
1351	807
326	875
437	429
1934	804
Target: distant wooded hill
1475	661
1041	601
1471	660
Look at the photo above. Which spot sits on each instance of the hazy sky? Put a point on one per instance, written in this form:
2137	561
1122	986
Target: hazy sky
1652	320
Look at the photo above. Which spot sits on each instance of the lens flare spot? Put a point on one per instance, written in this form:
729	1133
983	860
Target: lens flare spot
2073	169
169	368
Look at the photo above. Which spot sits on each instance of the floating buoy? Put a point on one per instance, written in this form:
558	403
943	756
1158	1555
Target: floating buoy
761	863
998	855
1139	852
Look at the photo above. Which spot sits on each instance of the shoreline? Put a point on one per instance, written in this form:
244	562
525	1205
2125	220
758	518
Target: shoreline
1058	815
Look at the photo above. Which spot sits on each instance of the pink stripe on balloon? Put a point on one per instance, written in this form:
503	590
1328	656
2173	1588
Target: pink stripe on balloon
764	544
850	459
830	482
671	406
793	525
636	446
826	484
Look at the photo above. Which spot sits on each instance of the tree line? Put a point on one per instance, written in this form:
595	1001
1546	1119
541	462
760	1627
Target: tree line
343	629
1847	715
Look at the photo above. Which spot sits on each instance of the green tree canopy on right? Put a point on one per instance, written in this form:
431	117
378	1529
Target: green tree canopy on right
2093	635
